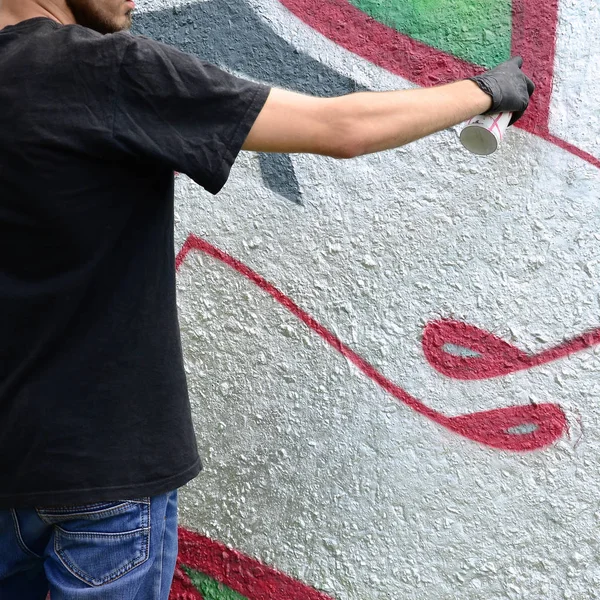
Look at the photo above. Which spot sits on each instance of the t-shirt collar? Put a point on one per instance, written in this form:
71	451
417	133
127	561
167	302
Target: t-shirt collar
26	23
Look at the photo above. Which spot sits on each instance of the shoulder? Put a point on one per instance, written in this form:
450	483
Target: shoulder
79	45
133	46
107	46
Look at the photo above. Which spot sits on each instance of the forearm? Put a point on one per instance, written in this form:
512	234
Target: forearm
375	121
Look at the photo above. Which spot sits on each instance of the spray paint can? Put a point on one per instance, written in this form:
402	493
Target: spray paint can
482	134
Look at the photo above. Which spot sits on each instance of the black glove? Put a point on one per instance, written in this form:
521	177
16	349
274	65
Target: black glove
508	86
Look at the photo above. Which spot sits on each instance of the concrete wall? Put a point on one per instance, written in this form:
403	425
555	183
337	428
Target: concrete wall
393	361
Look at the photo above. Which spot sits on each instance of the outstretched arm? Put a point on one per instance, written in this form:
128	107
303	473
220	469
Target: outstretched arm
363	122
366	122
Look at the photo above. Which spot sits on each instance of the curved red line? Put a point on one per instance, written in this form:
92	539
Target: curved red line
577	344
196	243
492	427
494	357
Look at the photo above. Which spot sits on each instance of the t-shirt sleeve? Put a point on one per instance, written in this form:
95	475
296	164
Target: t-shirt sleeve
178	110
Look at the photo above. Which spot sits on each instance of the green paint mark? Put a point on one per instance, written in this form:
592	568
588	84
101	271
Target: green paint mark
478	31
210	588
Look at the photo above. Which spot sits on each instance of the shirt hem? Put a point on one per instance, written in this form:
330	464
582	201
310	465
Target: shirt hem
101	494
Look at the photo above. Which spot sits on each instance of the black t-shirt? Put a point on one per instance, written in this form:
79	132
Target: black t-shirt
93	397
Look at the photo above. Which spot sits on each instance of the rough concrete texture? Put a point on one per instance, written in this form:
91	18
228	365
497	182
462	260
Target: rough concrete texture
311	466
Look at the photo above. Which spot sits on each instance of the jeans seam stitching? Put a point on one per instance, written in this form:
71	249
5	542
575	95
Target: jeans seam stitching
90	507
100	534
20	539
142	500
162	552
69	509
51	516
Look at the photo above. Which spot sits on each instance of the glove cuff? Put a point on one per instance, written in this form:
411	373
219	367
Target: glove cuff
489	85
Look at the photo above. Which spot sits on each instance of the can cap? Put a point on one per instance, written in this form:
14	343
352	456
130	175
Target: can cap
478	140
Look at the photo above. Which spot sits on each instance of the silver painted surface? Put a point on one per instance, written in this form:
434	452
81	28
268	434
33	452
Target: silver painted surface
311	466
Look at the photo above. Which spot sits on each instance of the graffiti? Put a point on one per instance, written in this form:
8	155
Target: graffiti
403	264
465	352
533	38
272	60
208	570
511	428
212	38
478	32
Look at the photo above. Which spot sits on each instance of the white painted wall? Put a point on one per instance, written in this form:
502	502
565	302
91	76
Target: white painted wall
311	466
575	112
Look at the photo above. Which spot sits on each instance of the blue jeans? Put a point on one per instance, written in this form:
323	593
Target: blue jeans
123	550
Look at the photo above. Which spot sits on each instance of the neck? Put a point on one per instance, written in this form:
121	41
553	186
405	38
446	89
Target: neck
12	13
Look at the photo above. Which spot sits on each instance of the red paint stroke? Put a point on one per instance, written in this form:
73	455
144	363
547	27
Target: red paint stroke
489	356
534	27
571	148
518	428
182	588
403	55
247	576
534	33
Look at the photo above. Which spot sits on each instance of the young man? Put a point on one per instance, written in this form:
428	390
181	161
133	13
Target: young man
96	433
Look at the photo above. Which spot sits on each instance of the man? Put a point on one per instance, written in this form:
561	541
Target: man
96	433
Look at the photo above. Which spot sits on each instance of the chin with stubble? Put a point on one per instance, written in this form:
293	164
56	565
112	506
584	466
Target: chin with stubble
103	16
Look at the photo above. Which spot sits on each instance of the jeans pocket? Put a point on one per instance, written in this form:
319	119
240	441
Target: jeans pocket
101	542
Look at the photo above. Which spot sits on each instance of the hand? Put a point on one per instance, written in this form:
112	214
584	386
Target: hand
508	86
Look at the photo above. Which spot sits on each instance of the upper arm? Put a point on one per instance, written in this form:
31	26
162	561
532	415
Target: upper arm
291	122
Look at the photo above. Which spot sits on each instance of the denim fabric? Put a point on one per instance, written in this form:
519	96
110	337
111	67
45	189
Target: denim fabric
122	550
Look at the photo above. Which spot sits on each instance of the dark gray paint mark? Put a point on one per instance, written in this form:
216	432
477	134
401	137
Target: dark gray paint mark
279	176
231	35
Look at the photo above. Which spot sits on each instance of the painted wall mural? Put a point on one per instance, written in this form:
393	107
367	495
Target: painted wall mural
394	361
